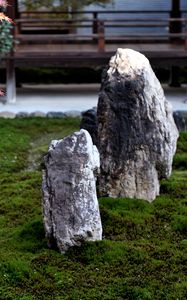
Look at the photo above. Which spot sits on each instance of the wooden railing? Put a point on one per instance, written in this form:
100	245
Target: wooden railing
94	27
100	26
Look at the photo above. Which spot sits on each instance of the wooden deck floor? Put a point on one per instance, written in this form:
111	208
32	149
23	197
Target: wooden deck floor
87	55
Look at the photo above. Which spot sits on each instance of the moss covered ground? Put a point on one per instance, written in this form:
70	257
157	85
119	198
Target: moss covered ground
144	251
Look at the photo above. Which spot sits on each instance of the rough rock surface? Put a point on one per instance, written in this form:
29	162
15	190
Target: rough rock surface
70	205
89	122
180	120
136	131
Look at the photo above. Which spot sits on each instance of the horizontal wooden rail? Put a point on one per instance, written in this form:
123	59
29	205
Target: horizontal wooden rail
53	37
96	11
107	22
34	27
90	38
35	20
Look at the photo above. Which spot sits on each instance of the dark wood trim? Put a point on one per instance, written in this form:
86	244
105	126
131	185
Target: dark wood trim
175	25
12	9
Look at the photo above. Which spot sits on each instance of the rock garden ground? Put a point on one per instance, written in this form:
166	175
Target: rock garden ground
143	254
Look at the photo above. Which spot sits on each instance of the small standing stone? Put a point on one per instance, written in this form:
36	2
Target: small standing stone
70	205
136	132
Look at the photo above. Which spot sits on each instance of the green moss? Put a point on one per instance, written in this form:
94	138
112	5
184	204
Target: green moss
142	256
19	136
180	159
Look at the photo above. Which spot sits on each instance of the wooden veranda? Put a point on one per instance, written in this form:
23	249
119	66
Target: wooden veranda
76	39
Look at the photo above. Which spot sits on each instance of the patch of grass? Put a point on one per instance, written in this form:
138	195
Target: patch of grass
180	159
144	251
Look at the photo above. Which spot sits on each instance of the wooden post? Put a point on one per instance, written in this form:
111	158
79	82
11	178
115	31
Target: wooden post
174	76
95	23
175	26
101	36
95	26
10	81
12	9
12	12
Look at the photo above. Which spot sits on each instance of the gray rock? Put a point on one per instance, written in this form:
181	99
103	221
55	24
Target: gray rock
38	113
22	114
55	114
89	122
70	205
7	115
180	120
73	114
136	131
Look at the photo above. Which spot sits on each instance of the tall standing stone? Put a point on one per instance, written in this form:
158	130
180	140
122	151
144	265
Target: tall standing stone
136	131
70	205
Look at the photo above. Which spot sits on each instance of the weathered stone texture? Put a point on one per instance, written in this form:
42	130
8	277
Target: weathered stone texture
136	131
179	118
70	205
89	122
